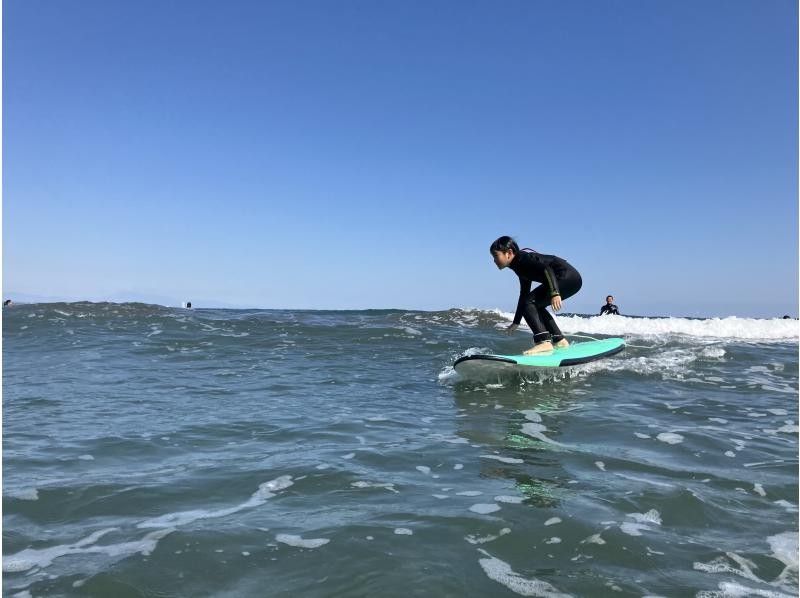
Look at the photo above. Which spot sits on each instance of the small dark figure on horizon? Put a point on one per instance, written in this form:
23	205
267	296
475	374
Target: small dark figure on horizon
609	307
7	302
188	305
787	317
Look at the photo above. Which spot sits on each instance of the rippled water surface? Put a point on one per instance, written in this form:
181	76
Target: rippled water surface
154	451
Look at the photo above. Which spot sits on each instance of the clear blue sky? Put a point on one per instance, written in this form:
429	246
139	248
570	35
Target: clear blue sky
353	154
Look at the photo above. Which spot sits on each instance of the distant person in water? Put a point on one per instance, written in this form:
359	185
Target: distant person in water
7	302
188	305
609	308
559	281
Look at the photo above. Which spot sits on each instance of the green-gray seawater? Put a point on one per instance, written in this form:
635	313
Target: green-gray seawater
150	451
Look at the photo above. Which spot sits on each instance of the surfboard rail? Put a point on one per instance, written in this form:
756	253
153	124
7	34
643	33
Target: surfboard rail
575	354
484	358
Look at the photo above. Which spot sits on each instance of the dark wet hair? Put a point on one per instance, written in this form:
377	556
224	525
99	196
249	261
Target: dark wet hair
504	243
609	297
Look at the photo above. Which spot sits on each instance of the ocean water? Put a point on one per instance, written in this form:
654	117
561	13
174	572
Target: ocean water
150	451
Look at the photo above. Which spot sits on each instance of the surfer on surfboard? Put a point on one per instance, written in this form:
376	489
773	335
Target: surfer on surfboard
559	281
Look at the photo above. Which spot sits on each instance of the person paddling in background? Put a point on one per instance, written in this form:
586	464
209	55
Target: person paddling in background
559	281
609	307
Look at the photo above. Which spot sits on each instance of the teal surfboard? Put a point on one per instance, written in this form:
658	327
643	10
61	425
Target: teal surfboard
575	354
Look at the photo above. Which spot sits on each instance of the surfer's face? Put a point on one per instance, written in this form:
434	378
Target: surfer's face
502	258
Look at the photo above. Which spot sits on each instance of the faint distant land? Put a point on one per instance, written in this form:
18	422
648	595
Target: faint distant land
120	297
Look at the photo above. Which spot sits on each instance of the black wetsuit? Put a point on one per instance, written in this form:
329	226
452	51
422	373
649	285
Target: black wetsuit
558	278
609	308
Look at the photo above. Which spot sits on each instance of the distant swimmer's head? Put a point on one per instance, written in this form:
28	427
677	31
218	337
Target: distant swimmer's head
7	302
503	251
610	299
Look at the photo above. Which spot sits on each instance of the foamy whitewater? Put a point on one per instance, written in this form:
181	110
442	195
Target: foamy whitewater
158	451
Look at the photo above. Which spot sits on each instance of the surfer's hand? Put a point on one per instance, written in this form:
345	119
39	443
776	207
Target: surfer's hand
556	302
512	328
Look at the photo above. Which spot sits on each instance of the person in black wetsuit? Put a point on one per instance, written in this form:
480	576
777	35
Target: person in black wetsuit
609	307
559	281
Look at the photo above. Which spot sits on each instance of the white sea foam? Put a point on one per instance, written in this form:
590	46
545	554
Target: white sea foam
512	500
784	548
729	589
535	430
265	492
403	531
652	516
553	521
450	439
484	508
31	557
299	542
669	364
501	572
23	494
448	374
643	522
732	327
788	506
670	437
644	480
632	529
362	484
531	415
786	552
483	540
510	460
593	539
